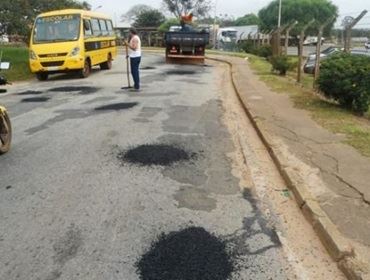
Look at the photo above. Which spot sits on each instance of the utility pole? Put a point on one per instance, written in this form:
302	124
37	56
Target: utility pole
349	23
214	27
278	34
318	47
300	50
279	16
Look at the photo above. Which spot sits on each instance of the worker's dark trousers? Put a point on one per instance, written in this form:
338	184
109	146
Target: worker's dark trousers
135	62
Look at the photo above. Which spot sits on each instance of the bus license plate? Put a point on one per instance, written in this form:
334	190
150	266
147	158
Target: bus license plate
52	68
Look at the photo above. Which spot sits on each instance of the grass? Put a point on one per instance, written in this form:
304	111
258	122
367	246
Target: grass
18	58
329	115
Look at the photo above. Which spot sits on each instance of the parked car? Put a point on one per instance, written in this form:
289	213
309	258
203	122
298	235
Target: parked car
309	66
325	52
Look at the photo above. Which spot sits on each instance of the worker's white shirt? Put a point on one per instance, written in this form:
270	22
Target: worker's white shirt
135	40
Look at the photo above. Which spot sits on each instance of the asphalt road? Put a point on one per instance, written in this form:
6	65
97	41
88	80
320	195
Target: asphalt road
70	208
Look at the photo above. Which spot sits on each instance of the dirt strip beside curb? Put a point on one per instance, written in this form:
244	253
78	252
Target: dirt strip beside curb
338	246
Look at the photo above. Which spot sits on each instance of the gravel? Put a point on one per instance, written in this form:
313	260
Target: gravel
189	254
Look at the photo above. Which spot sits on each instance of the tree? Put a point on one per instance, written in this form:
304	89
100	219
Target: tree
199	8
151	18
132	14
248	19
302	11
165	26
17	16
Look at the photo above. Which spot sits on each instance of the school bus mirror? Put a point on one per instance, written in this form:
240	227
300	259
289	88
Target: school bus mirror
86	25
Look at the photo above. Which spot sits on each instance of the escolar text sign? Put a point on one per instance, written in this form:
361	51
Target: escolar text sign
57	18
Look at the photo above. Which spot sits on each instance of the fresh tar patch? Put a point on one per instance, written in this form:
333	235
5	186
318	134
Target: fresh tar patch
29	92
189	254
80	89
117	106
180	72
148	68
35	99
155	154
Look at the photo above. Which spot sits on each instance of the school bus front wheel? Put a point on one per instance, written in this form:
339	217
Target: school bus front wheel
85	72
42	76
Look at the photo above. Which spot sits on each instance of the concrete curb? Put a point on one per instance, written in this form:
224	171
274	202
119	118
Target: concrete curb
338	246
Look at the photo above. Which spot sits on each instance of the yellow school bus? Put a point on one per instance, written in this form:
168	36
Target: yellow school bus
71	40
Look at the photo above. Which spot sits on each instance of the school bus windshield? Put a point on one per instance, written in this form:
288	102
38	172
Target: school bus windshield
58	28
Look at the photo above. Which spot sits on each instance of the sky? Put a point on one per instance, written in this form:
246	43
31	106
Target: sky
235	8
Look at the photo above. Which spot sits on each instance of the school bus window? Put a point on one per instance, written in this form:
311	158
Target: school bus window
95	27
103	27
87	28
110	27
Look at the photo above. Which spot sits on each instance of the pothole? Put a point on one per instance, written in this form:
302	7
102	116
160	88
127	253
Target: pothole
29	92
156	154
117	106
189	254
35	99
79	89
180	72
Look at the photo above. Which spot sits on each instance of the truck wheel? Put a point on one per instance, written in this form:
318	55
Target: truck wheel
85	72
107	64
42	76
5	133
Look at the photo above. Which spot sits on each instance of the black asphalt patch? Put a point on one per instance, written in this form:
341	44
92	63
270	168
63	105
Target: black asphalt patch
156	154
180	72
29	92
35	99
117	106
148	68
80	90
189	254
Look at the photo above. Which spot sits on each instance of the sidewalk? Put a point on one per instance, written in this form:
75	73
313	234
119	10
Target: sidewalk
331	180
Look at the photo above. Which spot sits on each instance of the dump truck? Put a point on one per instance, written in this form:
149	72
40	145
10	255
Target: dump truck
186	45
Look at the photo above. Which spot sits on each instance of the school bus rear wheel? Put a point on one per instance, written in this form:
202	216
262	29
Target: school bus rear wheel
5	132
107	64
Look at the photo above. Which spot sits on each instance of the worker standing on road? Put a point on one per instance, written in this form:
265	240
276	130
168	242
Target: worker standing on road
134	45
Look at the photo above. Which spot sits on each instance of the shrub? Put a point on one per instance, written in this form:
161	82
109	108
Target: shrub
246	46
346	79
263	51
280	63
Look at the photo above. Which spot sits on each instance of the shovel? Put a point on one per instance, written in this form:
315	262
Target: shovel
127	69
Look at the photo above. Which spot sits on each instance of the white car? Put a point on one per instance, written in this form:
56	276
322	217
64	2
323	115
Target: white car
367	45
311	40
